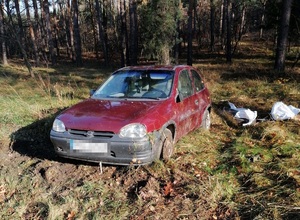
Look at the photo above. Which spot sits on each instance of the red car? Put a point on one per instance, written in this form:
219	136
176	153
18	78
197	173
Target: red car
135	117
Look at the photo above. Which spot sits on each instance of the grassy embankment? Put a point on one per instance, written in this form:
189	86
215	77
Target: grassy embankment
229	172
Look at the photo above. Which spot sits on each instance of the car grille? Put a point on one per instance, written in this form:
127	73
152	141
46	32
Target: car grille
98	134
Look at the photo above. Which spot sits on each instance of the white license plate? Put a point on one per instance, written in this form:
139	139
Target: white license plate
88	147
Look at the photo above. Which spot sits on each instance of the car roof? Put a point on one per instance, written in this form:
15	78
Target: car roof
155	67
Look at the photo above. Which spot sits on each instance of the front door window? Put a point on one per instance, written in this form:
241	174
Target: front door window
185	87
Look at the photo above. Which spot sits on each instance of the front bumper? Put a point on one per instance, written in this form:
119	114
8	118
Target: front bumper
121	151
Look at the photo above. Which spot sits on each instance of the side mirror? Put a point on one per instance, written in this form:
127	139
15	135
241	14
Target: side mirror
92	91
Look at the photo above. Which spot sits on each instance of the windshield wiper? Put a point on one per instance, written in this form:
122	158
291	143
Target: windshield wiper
155	98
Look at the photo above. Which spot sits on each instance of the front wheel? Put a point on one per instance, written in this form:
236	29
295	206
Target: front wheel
167	145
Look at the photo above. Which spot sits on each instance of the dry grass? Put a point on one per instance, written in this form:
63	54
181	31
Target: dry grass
231	172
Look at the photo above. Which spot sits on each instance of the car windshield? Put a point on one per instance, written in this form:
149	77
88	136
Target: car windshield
148	84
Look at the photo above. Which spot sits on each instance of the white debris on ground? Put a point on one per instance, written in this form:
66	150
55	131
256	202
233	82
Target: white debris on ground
244	114
279	112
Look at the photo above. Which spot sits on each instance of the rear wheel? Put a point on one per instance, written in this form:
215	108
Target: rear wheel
167	145
206	120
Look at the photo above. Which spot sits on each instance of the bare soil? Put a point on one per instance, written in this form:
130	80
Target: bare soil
165	195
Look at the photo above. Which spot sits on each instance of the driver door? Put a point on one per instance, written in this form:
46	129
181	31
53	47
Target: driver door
186	104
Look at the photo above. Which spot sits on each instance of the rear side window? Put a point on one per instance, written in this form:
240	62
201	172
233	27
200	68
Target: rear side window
199	85
184	84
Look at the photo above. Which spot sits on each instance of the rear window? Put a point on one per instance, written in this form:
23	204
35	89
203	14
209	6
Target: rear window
198	82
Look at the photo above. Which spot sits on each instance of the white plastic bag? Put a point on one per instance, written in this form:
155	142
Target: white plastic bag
281	111
244	113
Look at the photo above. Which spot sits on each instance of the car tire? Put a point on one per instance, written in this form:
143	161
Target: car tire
206	120
167	145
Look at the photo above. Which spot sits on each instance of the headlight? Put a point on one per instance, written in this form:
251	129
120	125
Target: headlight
133	131
58	126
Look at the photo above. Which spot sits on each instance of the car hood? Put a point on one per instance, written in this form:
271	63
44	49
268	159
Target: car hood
106	115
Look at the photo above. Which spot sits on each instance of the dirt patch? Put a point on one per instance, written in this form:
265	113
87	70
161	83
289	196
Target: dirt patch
157	194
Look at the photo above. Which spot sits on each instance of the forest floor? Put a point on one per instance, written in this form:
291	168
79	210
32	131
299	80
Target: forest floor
230	172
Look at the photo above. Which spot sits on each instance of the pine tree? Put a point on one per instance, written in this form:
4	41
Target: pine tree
158	28
283	36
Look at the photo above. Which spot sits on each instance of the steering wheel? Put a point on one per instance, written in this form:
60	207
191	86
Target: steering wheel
155	93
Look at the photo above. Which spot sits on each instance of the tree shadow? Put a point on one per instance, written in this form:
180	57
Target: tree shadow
265	74
33	140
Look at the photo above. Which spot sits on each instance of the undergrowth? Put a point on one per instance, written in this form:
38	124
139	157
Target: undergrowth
231	172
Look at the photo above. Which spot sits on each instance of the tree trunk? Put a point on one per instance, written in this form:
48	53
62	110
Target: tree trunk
69	32
262	19
17	38
3	45
240	29
43	35
96	48
190	33
177	40
55	30
32	35
283	36
165	55
222	25
77	38
101	32
212	25
124	35
37	31
133	32
20	31
227	6
243	21
49	32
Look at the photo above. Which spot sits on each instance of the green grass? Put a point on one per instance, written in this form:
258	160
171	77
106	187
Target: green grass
229	172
